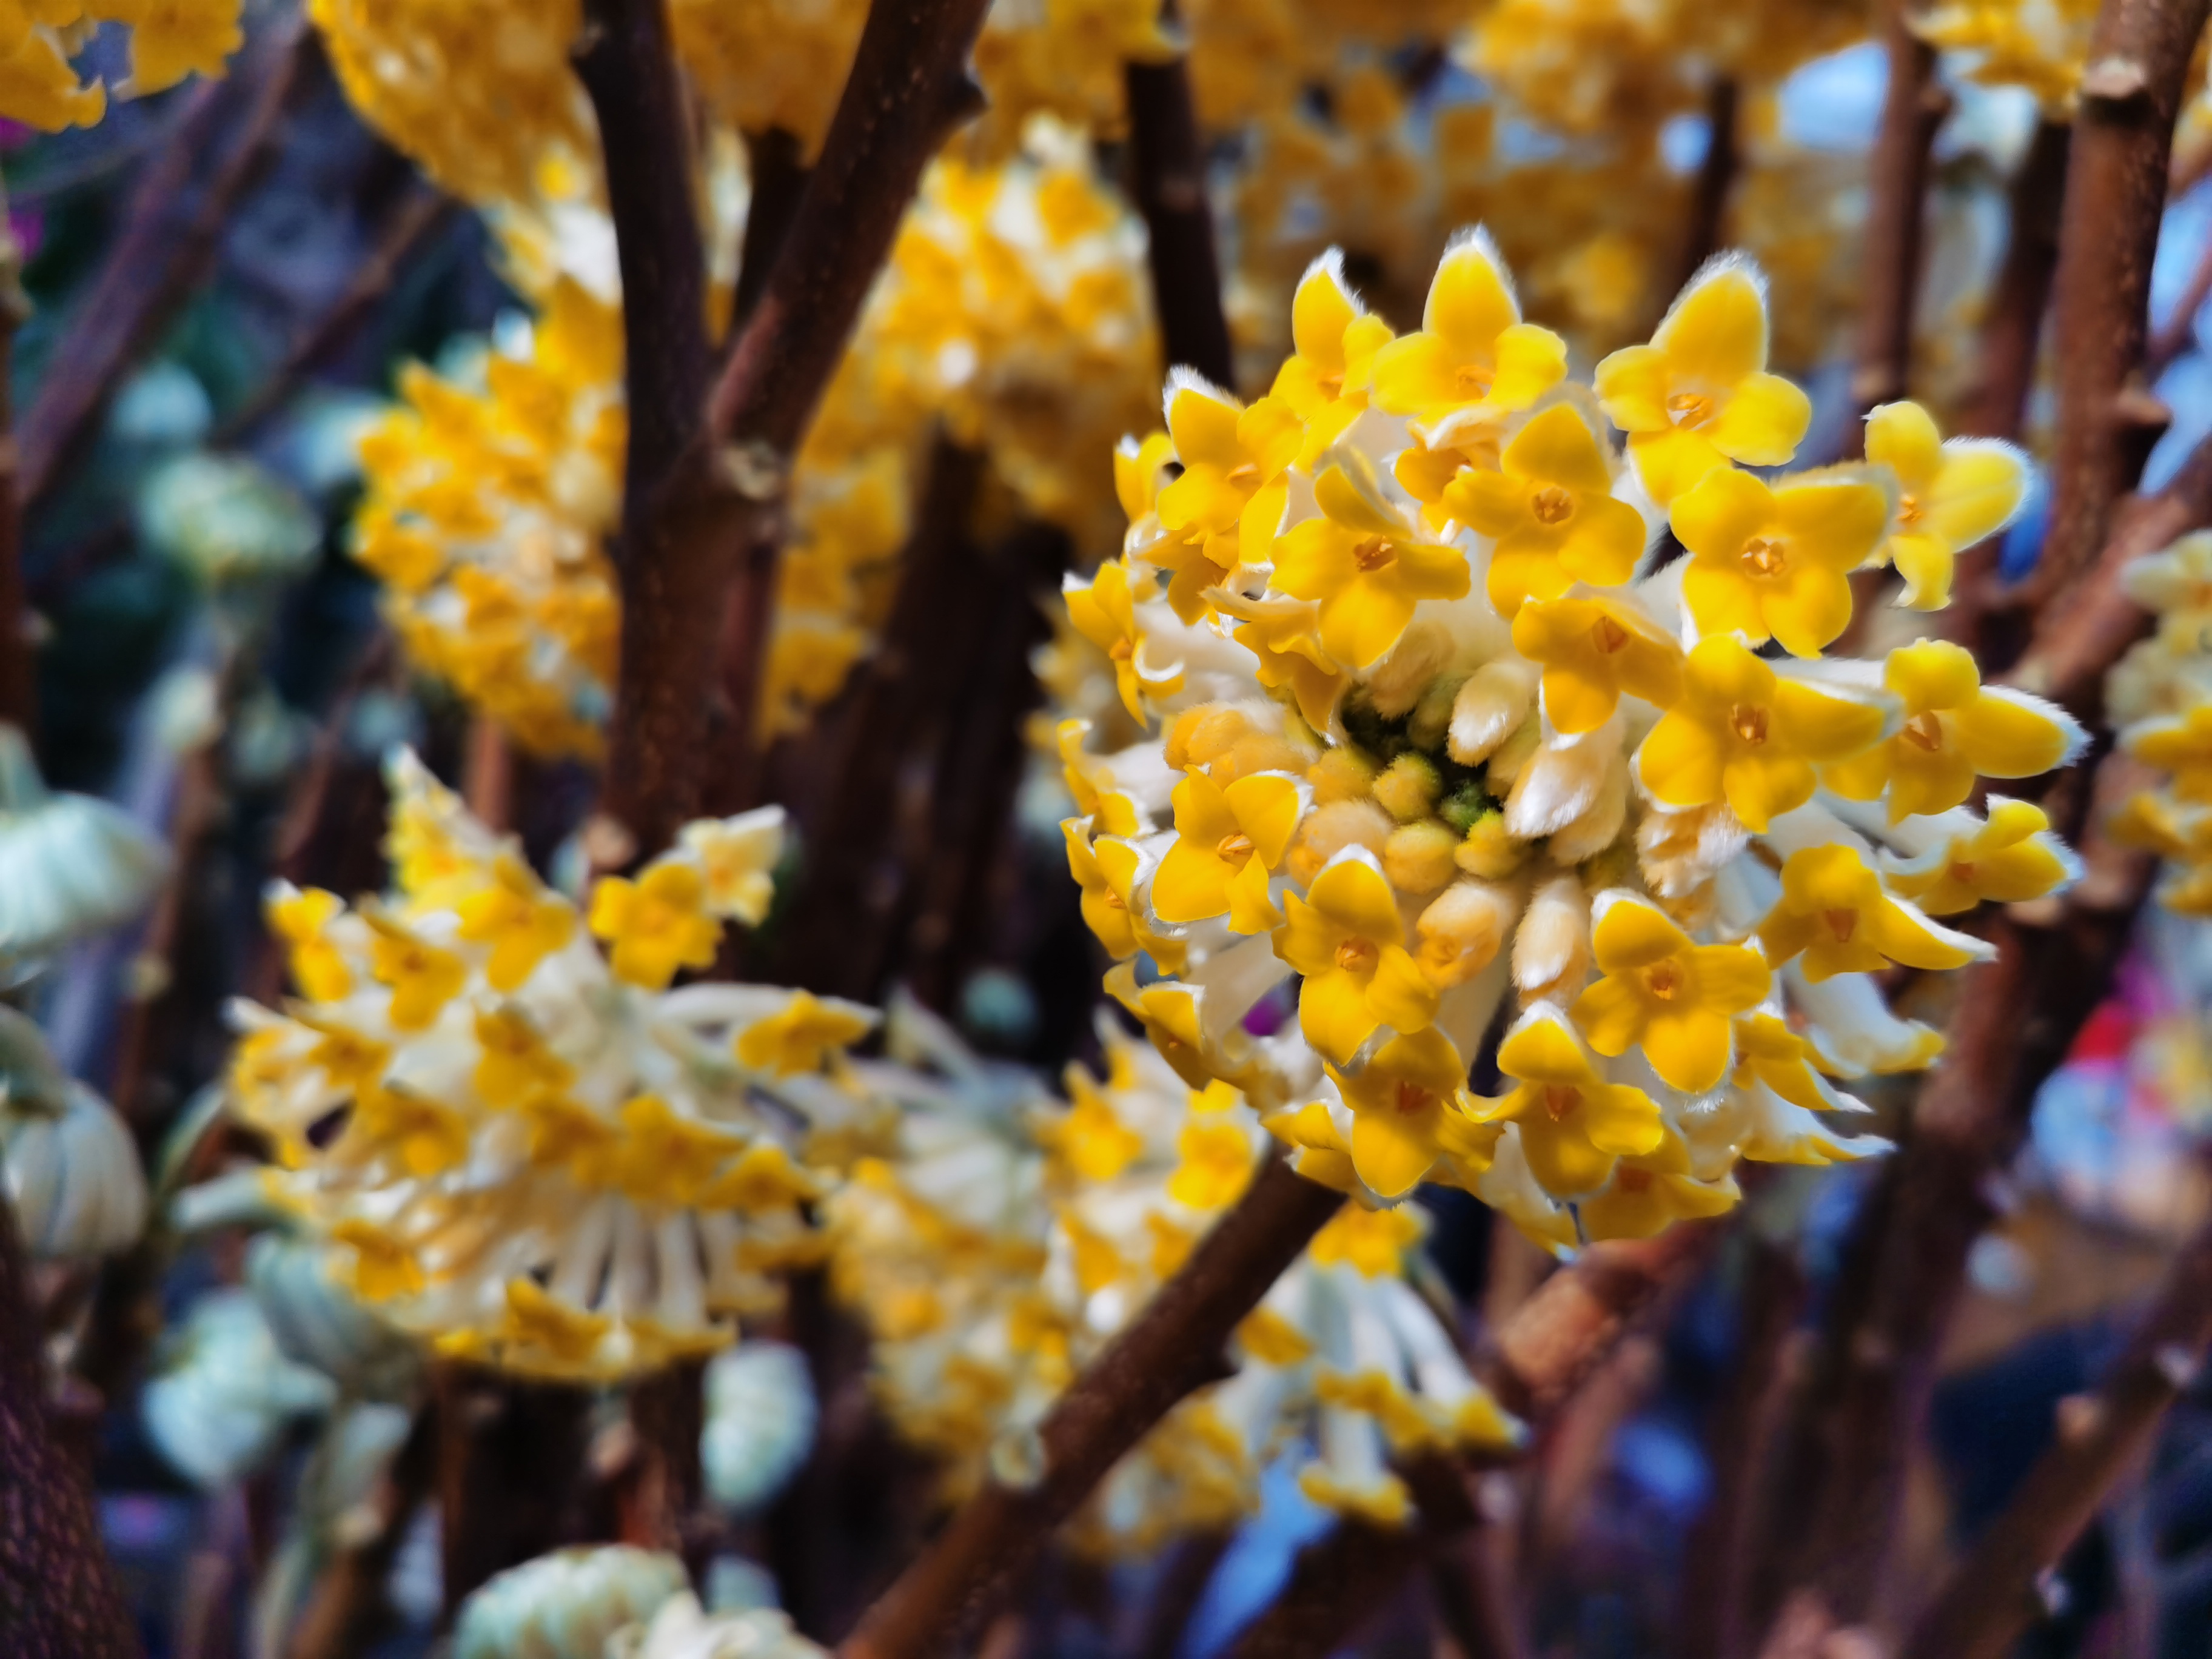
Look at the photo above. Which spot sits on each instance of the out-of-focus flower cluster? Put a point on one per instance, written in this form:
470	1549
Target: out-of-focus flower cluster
2159	695
1012	1235
169	41
1443	738
517	1139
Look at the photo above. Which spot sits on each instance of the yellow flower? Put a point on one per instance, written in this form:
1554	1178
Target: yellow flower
1347	939
1285	634
738	857
803	1034
1215	1167
302	920
1473	351
1105	870
1227	844
1662	992
2012	857
350	1059
1698	396
1769	1052
1406	1103
1367	564
2155	822
1592	650
1645	1197
1373	1243
1833	910
1550	508
522	922
383	1267
2180	744
1326	380
1103	611
536	1319
1950	496
657	924
516	1062
423	978
1236	461
664	1157
1574	1124
763	1180
565	1135
429	1139
1743	733
1776	562
1954	729
1090	783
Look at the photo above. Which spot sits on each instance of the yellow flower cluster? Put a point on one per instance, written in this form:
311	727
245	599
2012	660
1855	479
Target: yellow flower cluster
515	1139
2040	45
1442	727
1014	1234
2161	697
770	64
485	513
169	41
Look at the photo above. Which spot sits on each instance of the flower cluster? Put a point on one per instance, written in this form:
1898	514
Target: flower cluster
169	41
1012	1234
1448	736
2161	697
517	1139
2040	45
484	514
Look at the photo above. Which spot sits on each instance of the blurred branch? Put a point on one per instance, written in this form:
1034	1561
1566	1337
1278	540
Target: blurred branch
1561	1335
510	1460
777	163
229	132
1707	224
1833	1494
1175	1344
346	1611
58	1598
1990	1598
19	650
2116	193
720	502
1913	111
1167	179
2012	329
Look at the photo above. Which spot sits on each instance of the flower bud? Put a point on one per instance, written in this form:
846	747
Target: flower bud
1496	699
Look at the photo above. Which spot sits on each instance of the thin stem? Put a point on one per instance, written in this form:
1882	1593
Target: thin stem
2116	194
1705	232
1913	111
2012	332
1166	179
1991	1597
58	1598
1175	1345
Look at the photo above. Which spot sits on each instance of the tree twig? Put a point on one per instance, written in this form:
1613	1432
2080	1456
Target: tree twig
1173	1347
2116	192
178	213
722	504
1706	225
346	1609
1911	112
1167	179
1990	1598
779	169
2012	329
58	1598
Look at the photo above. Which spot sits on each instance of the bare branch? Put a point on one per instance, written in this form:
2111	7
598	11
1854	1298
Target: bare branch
1167	179
1914	108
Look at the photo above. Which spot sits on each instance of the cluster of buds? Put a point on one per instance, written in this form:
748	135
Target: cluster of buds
2159	695
1449	737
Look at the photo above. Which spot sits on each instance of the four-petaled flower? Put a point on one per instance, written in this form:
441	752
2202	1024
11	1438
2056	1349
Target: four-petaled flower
1574	1124
1325	380
738	856
1409	1108
1473	351
656	924
803	1034
1347	938
2180	744
422	977
2010	859
1235	465
1834	912
1742	733
1698	396
522	922
1104	611
1550	508
1950	496
1367	563
1227	844
302	920
1775	560
1592	650
1667	995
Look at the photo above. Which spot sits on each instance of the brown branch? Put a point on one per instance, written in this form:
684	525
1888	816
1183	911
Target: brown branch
345	1611
1911	112
1834	1490
19	651
722	504
58	1598
1561	1335
229	134
1174	1346
1167	180
488	774
2012	329
1991	1597
421	214
2116	183
1707	227
510	1457
778	164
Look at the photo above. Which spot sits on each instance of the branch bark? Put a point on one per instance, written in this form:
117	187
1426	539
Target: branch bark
227	135
2116	193
346	1610
1989	1599
1172	1347
1716	180
1167	179
778	164
2011	331
1913	110
58	1598
720	502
